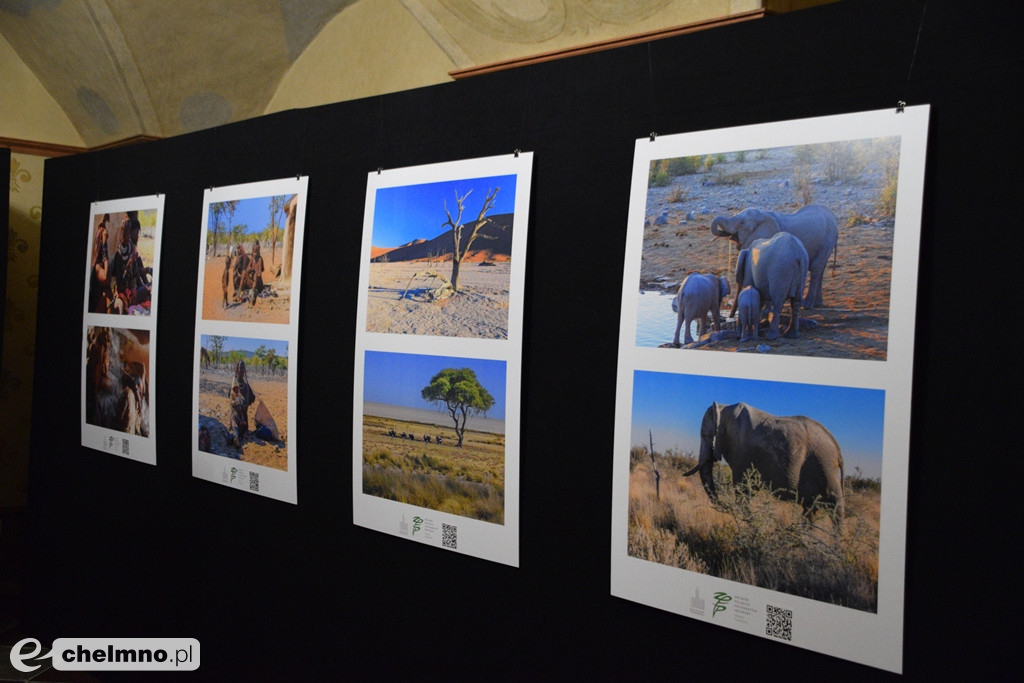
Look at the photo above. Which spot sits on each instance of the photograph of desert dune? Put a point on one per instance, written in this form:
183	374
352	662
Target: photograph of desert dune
433	433
440	259
771	484
784	250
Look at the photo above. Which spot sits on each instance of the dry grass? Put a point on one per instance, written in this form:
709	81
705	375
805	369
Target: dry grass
753	537
467	481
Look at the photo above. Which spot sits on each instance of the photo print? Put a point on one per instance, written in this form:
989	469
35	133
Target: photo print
122	244
117	362
249	258
243	399
439	354
441	258
119	327
750	485
247	302
713	275
434	433
796	508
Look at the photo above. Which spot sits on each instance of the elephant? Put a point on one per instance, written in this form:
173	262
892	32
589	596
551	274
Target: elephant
748	302
776	268
814	225
796	456
699	295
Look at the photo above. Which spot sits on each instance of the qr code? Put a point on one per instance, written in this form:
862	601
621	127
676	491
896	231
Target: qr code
449	536
124	447
254	481
779	623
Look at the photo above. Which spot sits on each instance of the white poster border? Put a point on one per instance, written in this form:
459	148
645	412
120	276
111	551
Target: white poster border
131	446
487	540
869	638
245	476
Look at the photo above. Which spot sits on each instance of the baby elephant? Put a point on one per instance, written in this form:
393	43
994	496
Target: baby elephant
699	295
748	314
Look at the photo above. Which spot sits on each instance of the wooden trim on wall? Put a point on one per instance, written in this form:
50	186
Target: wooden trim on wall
606	44
49	149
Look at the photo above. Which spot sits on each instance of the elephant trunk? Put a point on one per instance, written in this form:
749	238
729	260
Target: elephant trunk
705	465
718	230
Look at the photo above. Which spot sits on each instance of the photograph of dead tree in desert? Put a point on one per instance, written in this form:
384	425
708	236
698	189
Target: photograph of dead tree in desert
440	260
434	433
117	363
122	248
243	399
247	271
785	250
770	484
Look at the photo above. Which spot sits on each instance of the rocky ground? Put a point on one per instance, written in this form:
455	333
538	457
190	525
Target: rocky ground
854	323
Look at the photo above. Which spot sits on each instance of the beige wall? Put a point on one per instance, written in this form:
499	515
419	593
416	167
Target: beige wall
26	190
370	48
27	111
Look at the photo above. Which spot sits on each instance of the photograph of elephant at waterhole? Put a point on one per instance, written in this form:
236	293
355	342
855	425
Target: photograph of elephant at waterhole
783	501
838	198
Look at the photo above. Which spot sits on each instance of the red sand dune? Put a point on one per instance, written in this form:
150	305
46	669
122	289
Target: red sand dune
440	248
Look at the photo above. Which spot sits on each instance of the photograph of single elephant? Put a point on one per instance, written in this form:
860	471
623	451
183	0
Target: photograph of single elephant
821	291
441	258
433	432
771	484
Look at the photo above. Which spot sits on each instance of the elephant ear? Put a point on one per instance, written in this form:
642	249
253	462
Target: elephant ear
765	225
713	424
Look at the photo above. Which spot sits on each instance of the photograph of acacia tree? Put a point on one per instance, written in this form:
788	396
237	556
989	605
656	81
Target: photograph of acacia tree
433	433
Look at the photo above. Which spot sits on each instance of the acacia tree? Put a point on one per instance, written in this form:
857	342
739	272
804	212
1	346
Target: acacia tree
218	210
459	391
216	347
460	250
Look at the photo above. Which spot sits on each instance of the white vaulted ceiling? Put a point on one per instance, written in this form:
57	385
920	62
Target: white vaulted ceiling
122	68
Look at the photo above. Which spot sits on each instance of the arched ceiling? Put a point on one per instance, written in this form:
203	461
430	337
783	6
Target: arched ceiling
121	68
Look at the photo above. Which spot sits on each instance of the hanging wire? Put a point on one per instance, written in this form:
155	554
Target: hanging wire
910	72
650	78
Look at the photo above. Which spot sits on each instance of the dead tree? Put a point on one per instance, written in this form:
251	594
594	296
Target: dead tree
460	248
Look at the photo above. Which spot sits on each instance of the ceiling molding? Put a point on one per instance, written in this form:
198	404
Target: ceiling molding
50	150
599	46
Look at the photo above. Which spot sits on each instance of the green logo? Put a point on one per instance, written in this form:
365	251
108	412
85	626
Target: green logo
416	521
720	603
234	471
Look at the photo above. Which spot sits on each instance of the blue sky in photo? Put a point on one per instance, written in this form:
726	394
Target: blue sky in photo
247	344
672	407
254	213
403	214
398	378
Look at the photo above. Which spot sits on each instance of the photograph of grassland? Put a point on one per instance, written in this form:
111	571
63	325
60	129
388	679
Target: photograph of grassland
812	533
433	433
